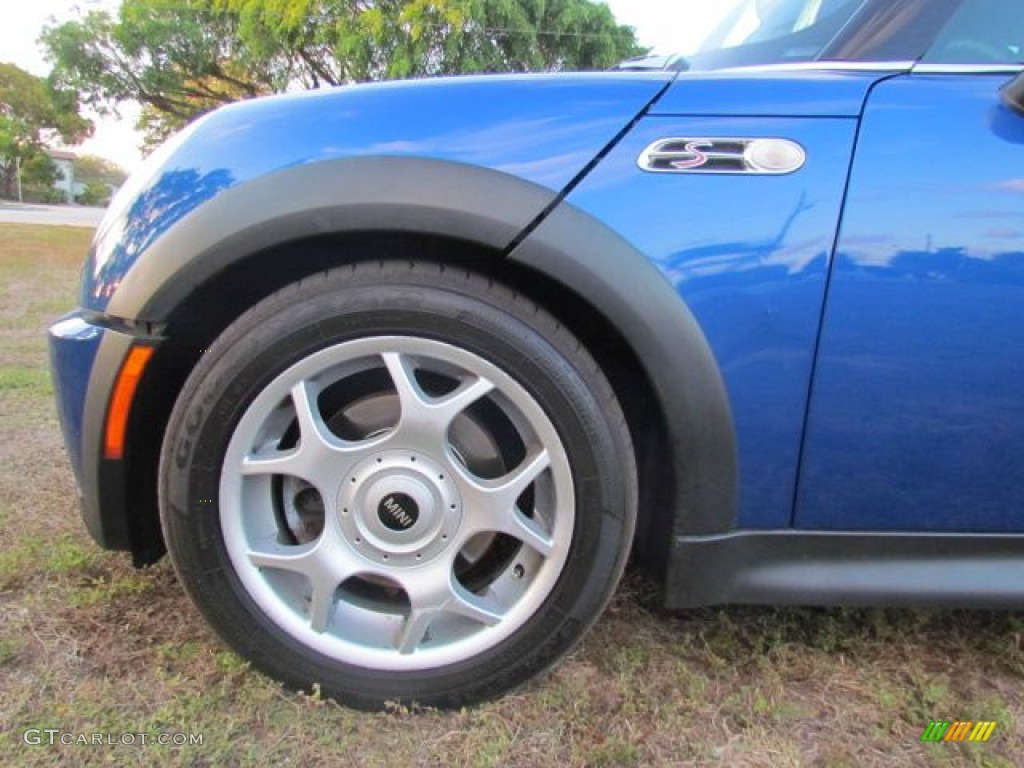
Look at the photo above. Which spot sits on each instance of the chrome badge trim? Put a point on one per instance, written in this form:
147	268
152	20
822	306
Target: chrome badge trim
757	156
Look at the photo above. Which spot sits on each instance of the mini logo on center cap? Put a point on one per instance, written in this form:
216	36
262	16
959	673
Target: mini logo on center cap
398	511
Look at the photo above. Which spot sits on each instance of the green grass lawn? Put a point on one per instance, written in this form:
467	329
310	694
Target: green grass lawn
89	645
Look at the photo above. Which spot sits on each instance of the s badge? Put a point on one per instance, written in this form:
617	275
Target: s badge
758	156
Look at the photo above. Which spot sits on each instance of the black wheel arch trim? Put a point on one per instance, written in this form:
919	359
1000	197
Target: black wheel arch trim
596	263
369	194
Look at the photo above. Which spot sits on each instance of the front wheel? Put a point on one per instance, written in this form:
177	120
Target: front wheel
399	483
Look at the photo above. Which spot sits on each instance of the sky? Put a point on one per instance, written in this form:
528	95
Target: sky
669	26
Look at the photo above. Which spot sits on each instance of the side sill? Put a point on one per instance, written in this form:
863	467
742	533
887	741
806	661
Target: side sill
829	568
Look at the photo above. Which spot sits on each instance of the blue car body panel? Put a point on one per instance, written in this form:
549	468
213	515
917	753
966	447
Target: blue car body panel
73	347
757	289
542	130
768	93
918	408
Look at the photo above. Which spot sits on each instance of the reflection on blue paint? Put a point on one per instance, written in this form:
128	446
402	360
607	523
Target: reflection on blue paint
73	347
542	129
154	211
918	407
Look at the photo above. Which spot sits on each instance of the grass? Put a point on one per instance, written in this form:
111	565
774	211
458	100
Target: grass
90	645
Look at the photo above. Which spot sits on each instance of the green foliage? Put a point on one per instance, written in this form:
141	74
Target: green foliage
91	168
38	175
180	58
40	170
32	113
332	41
95	193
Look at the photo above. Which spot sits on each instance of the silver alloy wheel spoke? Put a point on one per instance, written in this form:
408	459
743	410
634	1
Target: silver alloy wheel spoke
423	418
414	629
325	565
491	504
433	594
319	453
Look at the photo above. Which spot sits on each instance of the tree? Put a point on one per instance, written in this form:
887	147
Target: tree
98	176
335	42
40	171
32	114
178	58
95	193
181	58
90	169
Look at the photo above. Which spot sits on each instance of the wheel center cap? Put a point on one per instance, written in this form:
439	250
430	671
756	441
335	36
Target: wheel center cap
398	511
399	508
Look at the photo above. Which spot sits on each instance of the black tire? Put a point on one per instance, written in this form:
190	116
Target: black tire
448	330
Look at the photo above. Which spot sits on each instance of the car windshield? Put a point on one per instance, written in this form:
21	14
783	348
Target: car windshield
759	32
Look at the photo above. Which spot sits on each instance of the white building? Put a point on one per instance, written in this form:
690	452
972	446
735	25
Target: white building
65	162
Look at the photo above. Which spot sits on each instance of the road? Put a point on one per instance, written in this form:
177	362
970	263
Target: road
60	215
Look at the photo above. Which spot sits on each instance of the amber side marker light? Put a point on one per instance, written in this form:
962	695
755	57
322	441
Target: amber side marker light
121	403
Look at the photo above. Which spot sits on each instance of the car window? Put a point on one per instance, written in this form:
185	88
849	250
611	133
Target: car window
981	32
756	32
764	20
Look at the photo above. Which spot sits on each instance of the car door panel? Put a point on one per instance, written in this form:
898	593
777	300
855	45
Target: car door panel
917	412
